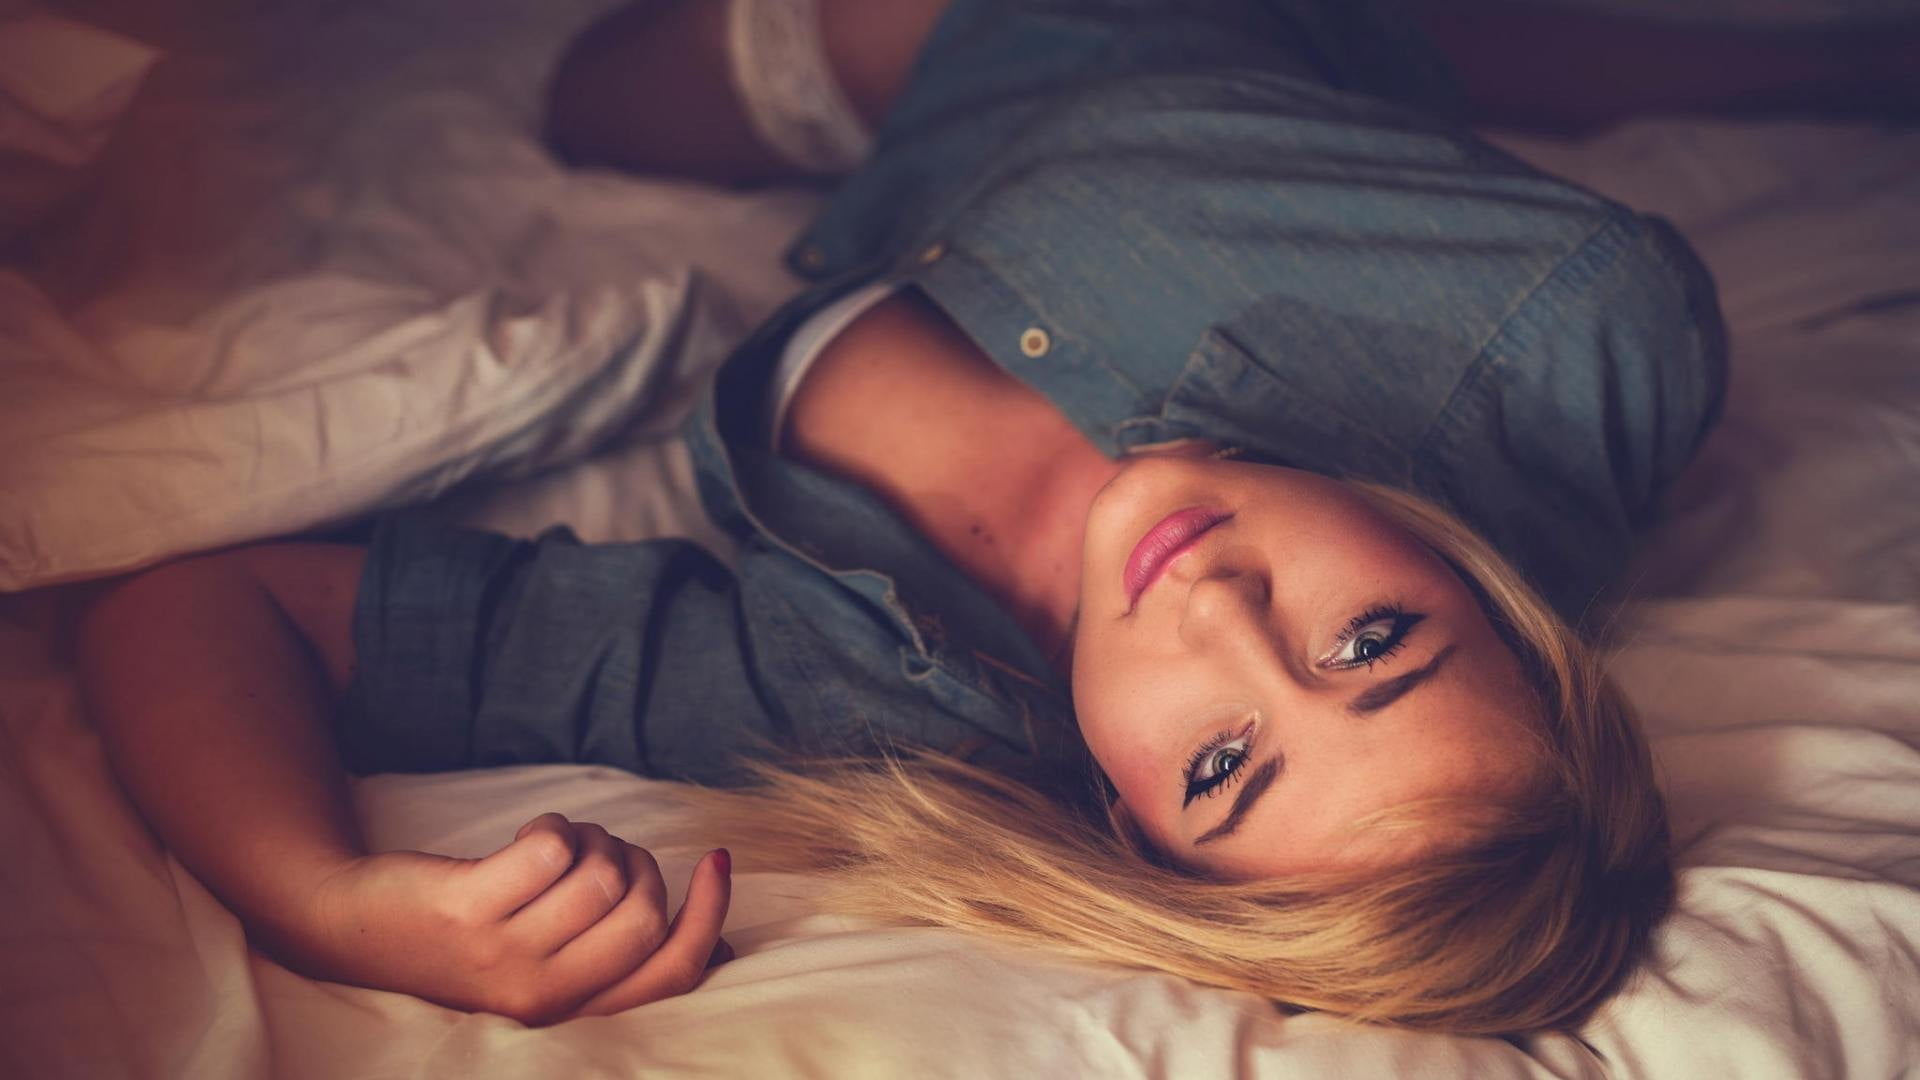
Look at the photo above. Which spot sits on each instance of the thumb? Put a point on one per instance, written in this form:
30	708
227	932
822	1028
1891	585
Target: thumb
704	911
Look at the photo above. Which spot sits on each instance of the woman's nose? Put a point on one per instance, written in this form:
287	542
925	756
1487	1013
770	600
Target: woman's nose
1227	604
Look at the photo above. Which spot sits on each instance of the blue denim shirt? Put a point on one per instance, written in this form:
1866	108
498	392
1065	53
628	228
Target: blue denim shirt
1249	222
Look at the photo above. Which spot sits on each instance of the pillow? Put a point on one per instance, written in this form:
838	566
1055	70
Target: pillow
325	269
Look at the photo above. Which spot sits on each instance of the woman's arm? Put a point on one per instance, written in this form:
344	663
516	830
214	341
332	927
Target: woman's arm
648	88
213	681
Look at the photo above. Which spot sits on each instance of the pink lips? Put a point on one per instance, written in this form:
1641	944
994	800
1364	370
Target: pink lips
1162	544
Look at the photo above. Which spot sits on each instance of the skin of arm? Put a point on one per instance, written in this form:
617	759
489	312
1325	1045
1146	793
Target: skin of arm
647	89
212	682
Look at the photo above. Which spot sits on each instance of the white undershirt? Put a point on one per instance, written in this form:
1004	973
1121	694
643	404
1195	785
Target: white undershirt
806	344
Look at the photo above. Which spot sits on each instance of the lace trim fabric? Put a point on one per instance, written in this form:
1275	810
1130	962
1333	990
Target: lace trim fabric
780	68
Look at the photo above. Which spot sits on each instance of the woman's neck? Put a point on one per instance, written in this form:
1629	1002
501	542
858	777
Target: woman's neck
985	467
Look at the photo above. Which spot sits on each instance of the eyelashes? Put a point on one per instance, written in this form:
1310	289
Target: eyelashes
1219	761
1371	637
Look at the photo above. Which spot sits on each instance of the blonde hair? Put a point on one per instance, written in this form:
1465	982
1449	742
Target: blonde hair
1529	925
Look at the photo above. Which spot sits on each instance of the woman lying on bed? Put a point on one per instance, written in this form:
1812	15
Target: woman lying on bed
1188	459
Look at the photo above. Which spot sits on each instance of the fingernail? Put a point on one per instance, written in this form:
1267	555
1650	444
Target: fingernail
722	861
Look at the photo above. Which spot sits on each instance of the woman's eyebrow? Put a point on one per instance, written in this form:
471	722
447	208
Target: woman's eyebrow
1256	785
1387	691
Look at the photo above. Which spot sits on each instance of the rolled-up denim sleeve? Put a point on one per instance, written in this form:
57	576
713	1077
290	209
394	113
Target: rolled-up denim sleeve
473	649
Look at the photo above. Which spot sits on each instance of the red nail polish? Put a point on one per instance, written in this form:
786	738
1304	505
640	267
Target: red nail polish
723	860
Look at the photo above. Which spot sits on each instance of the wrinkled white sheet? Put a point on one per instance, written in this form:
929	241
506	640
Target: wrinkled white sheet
324	267
1775	650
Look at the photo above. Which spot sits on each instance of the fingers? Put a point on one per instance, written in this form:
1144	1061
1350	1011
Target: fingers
630	933
595	885
508	879
596	907
692	938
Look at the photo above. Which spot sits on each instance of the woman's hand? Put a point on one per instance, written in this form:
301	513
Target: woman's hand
565	921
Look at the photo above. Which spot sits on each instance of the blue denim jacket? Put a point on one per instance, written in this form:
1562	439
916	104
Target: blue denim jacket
1250	222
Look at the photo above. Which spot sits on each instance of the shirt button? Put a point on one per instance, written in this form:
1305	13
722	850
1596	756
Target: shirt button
1035	342
932	253
813	258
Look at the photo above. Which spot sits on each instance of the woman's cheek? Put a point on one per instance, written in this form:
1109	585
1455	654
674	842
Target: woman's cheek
1121	731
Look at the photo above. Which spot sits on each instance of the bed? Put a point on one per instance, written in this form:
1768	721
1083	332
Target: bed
271	270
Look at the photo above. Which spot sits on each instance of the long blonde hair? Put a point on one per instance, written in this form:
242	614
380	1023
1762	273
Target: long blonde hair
1530	925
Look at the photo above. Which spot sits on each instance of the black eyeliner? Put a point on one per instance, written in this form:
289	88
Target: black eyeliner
1213	784
1403	623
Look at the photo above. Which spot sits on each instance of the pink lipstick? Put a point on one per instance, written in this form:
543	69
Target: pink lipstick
1164	543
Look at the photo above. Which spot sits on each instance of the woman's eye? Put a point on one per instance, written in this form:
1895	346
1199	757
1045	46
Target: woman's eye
1371	637
1216	763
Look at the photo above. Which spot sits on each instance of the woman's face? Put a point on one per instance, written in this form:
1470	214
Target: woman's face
1261	659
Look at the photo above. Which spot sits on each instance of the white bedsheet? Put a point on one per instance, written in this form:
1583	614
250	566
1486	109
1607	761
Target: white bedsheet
1776	653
